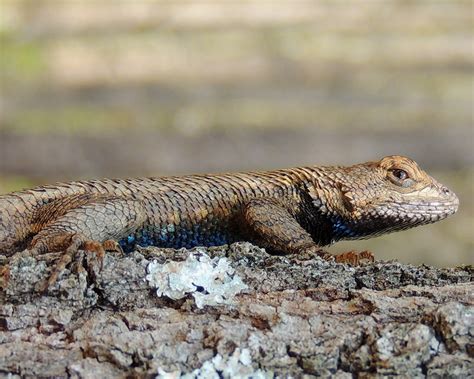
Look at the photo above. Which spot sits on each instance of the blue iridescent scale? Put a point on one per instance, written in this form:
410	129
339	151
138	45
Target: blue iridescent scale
340	229
175	237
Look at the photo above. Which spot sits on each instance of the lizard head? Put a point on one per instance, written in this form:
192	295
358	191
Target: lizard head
393	194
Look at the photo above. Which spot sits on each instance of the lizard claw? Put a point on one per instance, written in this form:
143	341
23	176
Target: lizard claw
112	245
98	251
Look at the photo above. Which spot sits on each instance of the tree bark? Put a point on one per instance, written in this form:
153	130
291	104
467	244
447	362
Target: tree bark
289	318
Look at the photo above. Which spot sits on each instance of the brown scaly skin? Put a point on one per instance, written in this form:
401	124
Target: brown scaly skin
296	210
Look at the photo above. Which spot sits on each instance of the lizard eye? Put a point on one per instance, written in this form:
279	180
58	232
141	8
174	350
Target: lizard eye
400	174
400	178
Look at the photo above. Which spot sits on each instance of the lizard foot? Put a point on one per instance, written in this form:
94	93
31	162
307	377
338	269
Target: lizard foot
355	258
95	253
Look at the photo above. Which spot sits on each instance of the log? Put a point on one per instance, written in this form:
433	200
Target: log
234	311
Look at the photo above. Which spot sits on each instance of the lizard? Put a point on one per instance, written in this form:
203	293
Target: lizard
289	211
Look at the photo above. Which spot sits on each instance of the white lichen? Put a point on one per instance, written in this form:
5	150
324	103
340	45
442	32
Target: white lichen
210	281
238	365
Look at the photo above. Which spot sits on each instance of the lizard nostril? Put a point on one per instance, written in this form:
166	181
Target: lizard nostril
446	191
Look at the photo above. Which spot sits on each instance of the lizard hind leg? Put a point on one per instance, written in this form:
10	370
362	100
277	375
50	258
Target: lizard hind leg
93	228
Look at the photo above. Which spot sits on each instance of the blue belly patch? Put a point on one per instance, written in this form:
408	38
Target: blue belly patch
175	237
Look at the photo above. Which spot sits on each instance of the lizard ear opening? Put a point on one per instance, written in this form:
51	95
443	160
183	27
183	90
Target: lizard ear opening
347	201
346	198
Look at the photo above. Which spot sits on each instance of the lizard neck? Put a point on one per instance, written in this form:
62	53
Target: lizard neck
320	210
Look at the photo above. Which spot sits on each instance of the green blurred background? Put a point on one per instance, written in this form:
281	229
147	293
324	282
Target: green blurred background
130	88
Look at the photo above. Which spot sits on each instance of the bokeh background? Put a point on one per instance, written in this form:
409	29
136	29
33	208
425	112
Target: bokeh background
129	88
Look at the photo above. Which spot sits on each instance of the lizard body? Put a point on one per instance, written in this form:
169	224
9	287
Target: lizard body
286	211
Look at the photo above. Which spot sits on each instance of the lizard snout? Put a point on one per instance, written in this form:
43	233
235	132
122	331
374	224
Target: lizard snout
452	198
449	198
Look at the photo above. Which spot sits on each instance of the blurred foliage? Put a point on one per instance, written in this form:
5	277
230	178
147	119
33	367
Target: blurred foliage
102	66
22	63
17	183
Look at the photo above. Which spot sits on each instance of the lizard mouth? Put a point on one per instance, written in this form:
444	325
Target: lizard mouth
431	204
408	212
402	215
428	211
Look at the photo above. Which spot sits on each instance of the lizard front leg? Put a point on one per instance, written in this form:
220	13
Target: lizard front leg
271	225
93	227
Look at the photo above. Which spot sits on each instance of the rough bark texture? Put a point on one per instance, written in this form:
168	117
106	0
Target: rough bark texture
310	318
